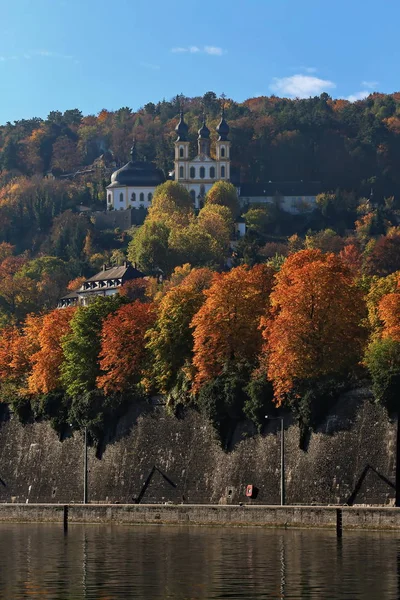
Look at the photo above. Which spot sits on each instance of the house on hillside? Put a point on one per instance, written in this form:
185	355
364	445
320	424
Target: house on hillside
106	282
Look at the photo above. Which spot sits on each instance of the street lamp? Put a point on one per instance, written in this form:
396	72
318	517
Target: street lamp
282	456
85	464
85	468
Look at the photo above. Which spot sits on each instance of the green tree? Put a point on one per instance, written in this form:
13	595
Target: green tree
171	339
383	363
81	348
150	247
224	194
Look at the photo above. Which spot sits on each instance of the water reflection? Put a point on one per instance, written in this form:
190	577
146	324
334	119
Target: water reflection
107	563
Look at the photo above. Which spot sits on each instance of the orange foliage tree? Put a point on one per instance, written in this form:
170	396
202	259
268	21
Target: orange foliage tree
46	362
123	346
389	314
314	328
226	328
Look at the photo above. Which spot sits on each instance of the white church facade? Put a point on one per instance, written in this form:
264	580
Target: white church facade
133	186
199	174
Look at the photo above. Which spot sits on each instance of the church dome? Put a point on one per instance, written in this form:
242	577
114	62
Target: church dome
223	128
137	174
204	132
182	129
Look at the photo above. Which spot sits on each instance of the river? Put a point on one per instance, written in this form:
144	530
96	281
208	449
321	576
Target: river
100	562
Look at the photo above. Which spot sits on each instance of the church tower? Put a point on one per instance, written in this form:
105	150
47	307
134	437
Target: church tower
204	139
223	149
182	150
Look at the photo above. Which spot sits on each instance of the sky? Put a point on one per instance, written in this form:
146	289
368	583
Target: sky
93	54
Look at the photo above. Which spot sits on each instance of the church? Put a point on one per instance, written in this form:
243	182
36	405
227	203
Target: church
134	184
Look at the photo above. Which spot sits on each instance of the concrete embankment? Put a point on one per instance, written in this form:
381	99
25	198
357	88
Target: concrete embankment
373	518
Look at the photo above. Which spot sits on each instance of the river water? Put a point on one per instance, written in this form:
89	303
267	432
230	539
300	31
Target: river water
100	562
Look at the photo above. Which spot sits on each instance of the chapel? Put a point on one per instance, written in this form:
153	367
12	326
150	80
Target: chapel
134	184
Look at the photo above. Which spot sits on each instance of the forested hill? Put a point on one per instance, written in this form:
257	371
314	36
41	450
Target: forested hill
338	143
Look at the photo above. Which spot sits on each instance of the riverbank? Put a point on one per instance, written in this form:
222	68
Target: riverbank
321	517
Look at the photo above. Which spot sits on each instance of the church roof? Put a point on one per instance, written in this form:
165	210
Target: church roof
182	129
137	173
223	128
204	132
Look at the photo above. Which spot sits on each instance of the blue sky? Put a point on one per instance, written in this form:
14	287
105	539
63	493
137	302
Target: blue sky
87	54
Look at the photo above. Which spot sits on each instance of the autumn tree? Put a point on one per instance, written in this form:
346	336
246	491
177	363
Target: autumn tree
171	205
46	362
170	341
224	193
314	330
217	221
385	256
226	328
123	352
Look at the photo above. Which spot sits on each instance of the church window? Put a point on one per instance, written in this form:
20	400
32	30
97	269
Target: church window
193	195
141	197
223	151
222	171
181	172
133	197
109	198
212	172
202	190
181	152
150	197
121	197
192	172
202	172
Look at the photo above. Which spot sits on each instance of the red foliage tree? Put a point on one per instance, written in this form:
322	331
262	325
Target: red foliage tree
122	355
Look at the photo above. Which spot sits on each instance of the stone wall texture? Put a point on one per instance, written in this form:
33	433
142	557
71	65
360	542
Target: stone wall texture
357	439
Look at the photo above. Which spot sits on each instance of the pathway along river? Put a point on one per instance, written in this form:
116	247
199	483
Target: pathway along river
160	562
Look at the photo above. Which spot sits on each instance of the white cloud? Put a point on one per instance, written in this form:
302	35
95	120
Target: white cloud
358	96
212	50
371	85
310	69
191	49
301	86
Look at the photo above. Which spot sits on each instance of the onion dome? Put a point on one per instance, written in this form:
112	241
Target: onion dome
223	128
204	132
182	129
137	173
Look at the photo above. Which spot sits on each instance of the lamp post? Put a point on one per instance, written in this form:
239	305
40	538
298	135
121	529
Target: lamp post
85	467
282	456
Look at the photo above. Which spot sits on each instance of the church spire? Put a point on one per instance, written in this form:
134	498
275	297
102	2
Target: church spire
204	132
223	127
182	128
204	138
